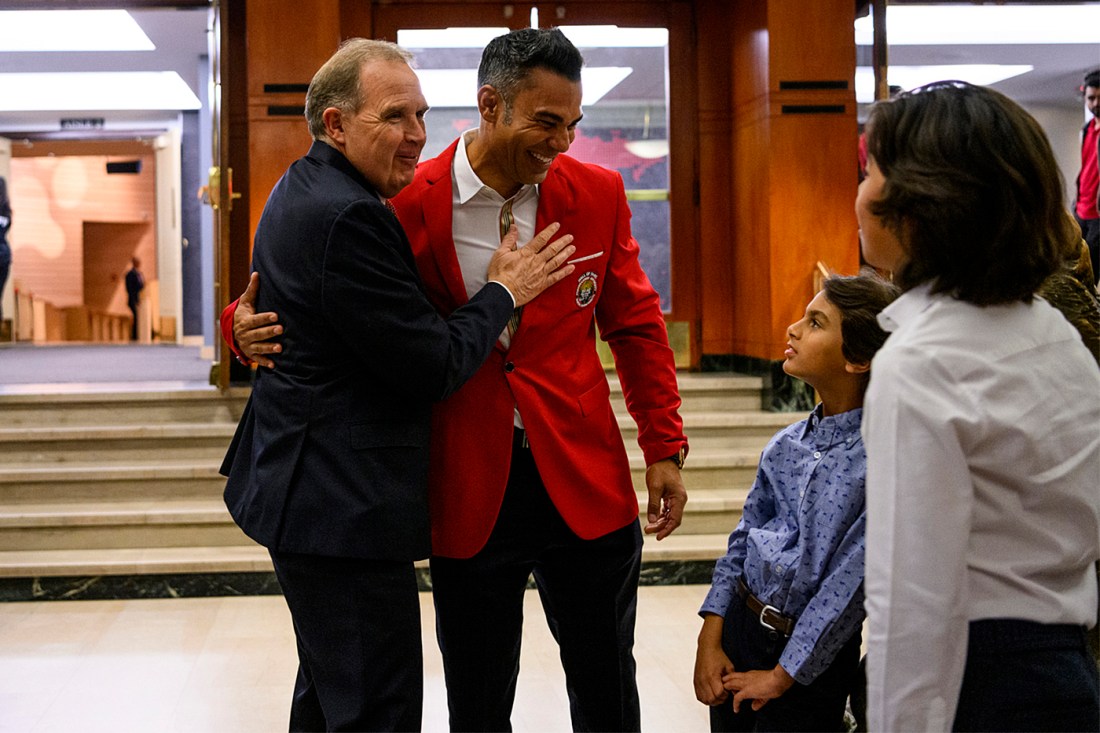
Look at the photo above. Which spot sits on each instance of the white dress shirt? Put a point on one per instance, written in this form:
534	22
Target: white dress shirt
982	430
475	223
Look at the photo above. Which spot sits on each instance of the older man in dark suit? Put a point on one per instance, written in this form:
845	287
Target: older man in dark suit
328	468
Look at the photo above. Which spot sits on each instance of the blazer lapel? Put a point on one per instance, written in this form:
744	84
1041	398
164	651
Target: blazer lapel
437	208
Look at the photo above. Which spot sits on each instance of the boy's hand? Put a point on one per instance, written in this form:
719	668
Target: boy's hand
711	663
758	685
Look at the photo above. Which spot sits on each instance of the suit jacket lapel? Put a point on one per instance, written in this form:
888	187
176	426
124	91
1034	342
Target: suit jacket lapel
437	205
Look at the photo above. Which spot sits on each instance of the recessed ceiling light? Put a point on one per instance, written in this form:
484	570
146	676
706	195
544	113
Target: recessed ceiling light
71	30
910	77
95	91
936	25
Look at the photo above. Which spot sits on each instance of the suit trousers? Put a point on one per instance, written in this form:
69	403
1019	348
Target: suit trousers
589	593
1027	676
360	659
818	706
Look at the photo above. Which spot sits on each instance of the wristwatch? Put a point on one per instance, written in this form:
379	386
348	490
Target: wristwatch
679	457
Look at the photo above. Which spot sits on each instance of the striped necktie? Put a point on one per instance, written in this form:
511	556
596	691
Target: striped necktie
506	220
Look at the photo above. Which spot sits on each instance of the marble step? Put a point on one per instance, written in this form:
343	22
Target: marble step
123	408
68	484
53	482
106	445
93	564
705	392
101	524
707	469
107	525
723	430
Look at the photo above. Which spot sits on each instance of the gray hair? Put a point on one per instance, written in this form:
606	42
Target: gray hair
336	84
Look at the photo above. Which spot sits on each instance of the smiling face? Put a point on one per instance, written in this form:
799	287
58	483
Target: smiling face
516	146
880	244
383	139
1092	101
814	345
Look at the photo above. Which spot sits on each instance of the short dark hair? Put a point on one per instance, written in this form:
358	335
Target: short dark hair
1092	79
860	298
972	191
508	60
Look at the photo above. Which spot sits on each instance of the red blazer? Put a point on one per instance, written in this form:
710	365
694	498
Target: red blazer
552	371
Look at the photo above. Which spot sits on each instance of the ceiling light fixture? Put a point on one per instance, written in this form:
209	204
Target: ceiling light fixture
71	30
938	25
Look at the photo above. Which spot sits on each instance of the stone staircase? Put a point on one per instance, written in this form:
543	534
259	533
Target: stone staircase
124	485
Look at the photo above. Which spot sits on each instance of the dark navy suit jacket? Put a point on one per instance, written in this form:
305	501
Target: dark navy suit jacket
331	454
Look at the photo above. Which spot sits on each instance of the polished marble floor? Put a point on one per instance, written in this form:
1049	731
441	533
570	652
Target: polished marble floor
226	665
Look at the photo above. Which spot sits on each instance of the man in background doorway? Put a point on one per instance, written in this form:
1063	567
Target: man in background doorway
135	283
1088	180
5	250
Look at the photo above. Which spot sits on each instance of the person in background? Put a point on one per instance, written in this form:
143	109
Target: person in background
780	643
135	283
980	424
328	468
5	248
529	474
1087	206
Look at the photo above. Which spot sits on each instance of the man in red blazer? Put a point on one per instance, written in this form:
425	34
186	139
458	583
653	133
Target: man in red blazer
528	472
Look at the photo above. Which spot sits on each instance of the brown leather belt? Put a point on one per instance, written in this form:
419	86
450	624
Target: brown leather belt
770	617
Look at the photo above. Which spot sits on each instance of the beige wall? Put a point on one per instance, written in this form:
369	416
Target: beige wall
55	201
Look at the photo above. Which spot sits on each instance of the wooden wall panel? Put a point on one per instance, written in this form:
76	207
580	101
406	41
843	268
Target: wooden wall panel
811	40
714	179
288	40
794	175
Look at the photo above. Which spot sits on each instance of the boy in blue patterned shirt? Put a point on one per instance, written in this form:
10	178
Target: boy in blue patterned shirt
779	647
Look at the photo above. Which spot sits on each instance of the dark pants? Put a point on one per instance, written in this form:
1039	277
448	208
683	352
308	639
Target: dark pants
589	592
360	661
1026	676
1090	229
818	706
133	305
5	268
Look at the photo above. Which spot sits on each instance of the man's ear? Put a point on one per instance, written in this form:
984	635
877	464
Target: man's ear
490	105
334	124
859	368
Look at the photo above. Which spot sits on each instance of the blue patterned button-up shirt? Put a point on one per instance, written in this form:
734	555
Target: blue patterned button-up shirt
800	542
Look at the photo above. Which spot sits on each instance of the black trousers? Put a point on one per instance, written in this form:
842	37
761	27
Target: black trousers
1090	229
360	660
1026	676
589	592
818	706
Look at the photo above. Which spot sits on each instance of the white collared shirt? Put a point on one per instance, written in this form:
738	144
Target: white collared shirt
475	222
982	430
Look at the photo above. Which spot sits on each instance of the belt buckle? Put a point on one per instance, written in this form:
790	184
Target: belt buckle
764	623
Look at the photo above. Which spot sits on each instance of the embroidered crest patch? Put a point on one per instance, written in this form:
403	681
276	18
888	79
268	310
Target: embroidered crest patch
586	289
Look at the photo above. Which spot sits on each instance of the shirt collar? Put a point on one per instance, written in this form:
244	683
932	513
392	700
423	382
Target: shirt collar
467	182
907	306
828	431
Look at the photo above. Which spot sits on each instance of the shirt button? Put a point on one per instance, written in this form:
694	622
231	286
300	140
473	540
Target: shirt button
801	494
778	569
817	453
509	367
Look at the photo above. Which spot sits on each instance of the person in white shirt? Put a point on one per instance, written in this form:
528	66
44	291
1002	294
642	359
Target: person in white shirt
981	425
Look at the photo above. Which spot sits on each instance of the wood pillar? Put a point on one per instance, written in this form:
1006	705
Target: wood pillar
793	172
